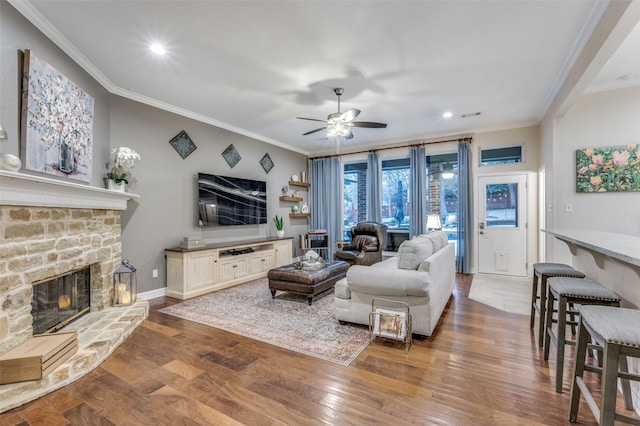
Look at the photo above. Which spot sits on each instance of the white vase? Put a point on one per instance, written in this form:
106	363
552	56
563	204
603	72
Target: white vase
111	185
10	162
280	233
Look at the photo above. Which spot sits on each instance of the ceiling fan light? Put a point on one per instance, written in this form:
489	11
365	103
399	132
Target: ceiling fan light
334	118
338	129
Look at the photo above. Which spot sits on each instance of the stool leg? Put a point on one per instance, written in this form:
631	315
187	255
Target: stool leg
626	386
534	298
562	329
572	316
547	326
543	311
578	371
609	384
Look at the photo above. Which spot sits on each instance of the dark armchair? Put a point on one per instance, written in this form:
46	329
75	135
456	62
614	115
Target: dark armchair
366	246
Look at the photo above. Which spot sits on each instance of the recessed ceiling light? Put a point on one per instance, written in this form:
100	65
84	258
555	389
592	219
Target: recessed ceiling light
447	114
158	49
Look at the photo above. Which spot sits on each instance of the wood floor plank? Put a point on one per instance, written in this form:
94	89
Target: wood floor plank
481	366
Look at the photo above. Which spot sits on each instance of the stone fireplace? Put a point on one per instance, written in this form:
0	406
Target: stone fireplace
49	228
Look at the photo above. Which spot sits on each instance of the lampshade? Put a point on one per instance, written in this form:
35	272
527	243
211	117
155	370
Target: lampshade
433	222
447	171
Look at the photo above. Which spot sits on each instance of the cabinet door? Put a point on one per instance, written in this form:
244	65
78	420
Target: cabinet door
201	270
256	263
226	269
267	261
284	253
241	268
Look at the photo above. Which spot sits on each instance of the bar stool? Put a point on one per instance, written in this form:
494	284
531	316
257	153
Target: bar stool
541	273
580	291
617	331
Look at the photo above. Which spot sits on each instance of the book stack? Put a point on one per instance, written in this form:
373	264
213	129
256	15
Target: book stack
191	242
317	232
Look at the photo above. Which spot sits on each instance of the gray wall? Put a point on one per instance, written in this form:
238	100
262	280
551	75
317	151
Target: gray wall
18	34
166	210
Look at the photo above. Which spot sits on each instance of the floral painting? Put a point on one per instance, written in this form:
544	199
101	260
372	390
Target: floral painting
57	122
610	169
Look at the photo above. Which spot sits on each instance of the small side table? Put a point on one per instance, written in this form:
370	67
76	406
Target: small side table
390	319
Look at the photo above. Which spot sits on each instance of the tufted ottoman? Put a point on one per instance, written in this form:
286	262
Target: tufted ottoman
306	282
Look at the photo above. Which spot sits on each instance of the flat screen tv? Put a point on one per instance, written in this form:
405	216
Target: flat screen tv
224	200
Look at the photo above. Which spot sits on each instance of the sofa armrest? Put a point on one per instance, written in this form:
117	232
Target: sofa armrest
388	282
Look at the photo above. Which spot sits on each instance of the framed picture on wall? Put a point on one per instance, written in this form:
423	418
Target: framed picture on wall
608	169
57	122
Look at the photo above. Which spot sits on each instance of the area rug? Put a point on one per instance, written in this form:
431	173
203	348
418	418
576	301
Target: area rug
509	294
286	321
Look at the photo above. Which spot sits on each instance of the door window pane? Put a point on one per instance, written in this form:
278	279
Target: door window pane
502	205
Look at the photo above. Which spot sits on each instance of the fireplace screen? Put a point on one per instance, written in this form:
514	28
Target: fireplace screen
60	300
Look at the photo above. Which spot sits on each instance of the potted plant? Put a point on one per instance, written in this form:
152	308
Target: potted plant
124	158
279	221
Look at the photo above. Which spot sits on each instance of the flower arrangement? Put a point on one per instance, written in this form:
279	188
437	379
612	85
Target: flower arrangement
615	168
124	158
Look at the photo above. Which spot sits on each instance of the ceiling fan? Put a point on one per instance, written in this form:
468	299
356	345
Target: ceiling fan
340	123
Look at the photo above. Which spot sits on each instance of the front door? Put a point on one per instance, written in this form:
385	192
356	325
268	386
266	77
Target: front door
502	224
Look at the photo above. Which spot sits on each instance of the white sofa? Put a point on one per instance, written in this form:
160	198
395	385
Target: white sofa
422	275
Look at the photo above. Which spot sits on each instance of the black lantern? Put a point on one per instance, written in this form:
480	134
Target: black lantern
124	284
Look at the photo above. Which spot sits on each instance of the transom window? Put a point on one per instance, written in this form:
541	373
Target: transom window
505	155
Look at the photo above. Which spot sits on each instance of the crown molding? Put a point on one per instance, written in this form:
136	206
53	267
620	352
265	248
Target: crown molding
49	30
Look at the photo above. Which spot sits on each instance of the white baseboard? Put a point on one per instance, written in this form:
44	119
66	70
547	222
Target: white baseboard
159	292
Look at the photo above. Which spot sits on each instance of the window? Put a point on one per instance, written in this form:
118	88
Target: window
355	196
442	196
396	202
507	155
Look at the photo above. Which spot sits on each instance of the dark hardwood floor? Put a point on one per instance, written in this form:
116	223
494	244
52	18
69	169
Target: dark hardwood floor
481	367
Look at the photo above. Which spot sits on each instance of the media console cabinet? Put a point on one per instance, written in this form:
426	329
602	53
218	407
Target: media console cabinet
196	271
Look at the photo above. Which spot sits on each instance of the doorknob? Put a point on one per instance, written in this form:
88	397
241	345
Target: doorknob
482	232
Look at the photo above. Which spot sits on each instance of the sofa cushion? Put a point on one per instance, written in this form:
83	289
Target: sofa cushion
387	282
439	239
412	252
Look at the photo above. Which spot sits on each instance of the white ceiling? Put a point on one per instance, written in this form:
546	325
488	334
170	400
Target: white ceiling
253	66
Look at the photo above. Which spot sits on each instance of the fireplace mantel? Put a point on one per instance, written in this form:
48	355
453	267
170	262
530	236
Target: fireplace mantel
19	189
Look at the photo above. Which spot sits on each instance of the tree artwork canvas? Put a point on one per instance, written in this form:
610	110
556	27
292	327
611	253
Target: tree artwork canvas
57	122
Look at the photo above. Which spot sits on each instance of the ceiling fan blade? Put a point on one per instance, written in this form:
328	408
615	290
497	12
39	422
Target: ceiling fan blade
312	119
350	114
369	124
313	131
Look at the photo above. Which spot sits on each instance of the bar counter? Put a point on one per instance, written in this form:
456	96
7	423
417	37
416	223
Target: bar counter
625	248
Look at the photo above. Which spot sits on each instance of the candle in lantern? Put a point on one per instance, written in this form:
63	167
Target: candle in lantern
125	297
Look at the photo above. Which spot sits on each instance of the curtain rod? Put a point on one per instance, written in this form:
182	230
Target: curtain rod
468	139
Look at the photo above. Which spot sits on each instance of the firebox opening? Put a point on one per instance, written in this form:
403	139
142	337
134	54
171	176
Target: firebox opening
60	300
